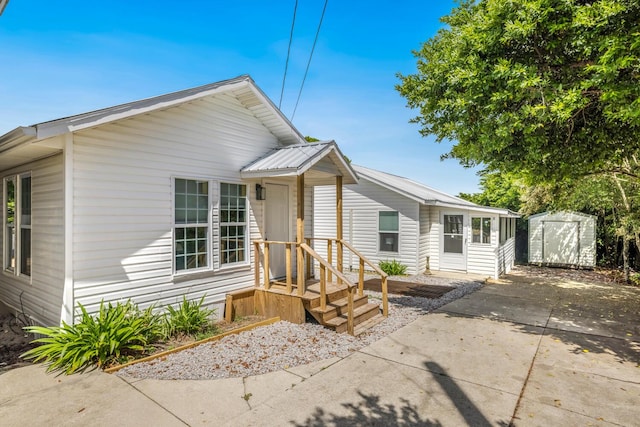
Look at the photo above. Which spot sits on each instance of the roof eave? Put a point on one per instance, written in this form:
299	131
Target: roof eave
18	136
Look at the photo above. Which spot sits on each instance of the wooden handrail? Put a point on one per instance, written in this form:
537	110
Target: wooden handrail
383	277
324	265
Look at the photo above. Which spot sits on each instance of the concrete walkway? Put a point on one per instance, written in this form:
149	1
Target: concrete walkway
521	352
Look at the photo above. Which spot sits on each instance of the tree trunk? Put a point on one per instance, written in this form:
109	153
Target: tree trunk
625	257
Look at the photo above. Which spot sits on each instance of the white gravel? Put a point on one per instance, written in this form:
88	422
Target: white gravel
283	345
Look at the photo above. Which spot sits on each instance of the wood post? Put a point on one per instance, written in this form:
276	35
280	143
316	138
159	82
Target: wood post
350	315
288	265
361	277
300	234
385	302
330	257
256	257
309	266
323	287
267	279
339	249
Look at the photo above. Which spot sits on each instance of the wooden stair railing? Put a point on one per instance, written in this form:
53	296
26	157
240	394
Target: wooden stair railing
327	269
340	245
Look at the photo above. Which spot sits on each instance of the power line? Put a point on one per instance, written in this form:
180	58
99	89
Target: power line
286	65
310	56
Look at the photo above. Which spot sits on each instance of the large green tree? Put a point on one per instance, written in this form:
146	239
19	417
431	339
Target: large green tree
550	87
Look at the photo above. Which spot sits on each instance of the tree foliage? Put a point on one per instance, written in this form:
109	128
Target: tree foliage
551	87
501	190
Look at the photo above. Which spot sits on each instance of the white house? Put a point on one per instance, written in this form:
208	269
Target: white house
155	199
388	217
562	238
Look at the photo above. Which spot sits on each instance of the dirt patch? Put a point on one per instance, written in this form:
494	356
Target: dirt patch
597	275
14	341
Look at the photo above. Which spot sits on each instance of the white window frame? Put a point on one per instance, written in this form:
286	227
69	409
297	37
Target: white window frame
397	233
208	226
18	269
246	261
482	219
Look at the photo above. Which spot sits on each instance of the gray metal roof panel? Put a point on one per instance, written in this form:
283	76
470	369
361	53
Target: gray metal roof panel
420	192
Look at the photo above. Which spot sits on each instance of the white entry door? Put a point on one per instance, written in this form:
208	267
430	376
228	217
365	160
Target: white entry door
454	242
277	226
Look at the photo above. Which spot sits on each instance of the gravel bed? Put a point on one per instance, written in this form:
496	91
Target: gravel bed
283	345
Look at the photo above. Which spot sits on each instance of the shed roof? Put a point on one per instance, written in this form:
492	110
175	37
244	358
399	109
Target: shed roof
322	161
424	194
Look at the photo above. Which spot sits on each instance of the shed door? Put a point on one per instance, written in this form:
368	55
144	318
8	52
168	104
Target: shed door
560	242
277	226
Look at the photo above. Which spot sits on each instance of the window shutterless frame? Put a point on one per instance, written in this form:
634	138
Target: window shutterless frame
17	255
192	229
388	231
233	215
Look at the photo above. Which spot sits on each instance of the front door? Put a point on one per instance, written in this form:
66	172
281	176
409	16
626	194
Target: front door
277	226
454	242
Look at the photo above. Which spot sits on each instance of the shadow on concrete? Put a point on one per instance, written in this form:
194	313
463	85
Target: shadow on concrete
370	411
469	411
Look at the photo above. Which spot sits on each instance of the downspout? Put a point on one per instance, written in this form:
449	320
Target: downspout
68	303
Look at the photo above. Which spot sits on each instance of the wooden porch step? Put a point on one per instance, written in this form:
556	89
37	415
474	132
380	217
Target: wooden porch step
367	324
339	307
360	315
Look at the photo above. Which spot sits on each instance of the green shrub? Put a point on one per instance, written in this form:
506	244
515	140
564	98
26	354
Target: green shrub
190	318
393	268
101	340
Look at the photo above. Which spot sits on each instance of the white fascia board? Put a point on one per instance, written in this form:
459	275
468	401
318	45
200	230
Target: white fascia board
268	173
17	137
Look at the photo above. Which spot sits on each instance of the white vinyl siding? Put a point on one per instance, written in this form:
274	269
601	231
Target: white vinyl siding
361	204
123	209
423	240
41	296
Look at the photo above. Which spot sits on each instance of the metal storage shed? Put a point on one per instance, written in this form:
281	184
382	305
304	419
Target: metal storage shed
562	238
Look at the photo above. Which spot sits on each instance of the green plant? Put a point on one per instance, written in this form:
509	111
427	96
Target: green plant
190	318
392	268
95	340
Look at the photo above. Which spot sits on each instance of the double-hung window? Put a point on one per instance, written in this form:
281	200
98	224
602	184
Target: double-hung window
17	225
191	224
233	223
481	230
388	231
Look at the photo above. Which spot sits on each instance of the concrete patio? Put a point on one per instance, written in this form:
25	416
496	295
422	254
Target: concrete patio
522	351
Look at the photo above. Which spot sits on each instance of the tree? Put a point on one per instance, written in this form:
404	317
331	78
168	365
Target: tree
550	87
501	190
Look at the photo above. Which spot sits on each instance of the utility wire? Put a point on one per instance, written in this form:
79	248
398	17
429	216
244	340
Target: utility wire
286	65
310	56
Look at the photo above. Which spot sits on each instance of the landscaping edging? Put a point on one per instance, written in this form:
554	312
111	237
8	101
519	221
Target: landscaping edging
193	344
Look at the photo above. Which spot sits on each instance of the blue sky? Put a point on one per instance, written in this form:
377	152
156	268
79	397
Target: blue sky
68	57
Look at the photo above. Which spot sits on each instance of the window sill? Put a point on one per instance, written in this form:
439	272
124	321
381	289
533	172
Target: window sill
27	280
186	276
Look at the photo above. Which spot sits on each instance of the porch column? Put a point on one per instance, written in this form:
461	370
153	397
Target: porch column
339	248
300	234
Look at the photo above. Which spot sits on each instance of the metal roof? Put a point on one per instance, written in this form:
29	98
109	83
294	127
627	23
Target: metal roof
422	193
297	159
